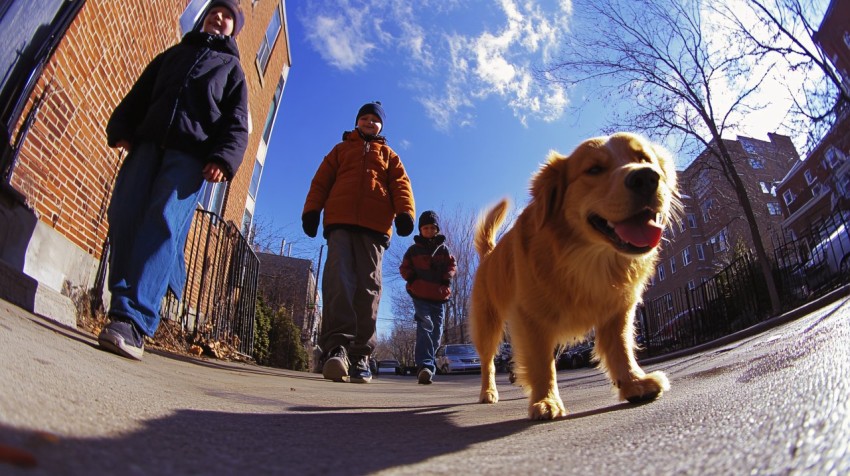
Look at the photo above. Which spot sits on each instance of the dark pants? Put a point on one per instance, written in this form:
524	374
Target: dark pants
351	290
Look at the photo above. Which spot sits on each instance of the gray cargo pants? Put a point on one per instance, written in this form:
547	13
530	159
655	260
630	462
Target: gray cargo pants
351	291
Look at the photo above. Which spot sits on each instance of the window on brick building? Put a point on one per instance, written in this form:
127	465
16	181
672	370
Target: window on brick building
774	209
661	272
700	252
764	187
270	38
705	207
212	196
789	197
191	16
810	179
255	179
247	218
686	256
756	163
673	265
270	119
692	220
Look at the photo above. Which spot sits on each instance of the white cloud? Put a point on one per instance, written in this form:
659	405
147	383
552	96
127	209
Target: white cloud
450	72
340	38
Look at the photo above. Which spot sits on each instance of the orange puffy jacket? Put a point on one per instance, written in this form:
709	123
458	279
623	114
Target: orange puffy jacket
361	182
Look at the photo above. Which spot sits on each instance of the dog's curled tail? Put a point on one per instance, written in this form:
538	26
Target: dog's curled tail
487	226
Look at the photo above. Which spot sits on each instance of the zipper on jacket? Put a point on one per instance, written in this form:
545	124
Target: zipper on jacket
204	52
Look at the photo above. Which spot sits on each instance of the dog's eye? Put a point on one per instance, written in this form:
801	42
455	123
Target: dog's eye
594	170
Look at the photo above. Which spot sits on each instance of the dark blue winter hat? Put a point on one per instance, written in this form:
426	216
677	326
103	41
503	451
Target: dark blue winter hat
429	217
372	108
235	9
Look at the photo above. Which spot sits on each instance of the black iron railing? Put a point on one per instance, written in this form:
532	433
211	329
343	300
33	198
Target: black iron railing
220	293
810	265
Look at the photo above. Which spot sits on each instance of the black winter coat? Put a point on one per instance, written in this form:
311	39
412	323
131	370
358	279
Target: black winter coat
192	97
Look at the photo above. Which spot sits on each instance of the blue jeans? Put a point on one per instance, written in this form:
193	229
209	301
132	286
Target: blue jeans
152	205
429	330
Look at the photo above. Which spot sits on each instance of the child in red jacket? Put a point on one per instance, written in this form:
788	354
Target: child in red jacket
428	267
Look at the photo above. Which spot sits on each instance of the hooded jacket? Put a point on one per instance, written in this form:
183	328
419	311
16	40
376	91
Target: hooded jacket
362	184
428	267
192	97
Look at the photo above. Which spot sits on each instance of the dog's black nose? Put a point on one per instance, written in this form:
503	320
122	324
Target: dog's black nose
643	182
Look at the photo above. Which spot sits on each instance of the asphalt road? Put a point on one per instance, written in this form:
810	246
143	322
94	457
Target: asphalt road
772	403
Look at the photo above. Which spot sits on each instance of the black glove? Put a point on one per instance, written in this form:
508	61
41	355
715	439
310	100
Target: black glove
403	224
310	223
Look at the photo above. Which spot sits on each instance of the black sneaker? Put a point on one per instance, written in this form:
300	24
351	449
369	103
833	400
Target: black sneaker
425	376
336	365
122	337
359	371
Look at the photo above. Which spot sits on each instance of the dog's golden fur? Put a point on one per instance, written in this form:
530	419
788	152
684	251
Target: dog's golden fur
567	266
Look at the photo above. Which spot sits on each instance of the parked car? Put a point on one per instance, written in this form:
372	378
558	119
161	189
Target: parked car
829	258
503	357
681	330
577	356
457	358
388	367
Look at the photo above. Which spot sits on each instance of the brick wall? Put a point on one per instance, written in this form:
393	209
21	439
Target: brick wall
65	170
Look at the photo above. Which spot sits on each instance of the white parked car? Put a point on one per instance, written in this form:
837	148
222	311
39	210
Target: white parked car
831	255
457	358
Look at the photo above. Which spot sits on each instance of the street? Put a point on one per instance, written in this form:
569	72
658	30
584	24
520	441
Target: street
771	403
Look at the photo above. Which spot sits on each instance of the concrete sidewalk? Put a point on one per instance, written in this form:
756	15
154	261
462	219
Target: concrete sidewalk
74	409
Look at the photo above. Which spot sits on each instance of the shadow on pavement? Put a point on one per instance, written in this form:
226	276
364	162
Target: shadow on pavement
318	441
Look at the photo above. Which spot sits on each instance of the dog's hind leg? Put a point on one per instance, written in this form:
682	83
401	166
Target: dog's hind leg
486	329
615	349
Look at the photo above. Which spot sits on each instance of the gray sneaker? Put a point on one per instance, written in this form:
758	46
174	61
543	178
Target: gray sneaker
122	337
336	365
425	376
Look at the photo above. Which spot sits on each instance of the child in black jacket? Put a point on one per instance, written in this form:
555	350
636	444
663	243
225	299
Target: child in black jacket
184	120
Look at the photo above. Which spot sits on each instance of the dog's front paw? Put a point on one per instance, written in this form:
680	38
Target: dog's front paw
547	409
646	388
488	395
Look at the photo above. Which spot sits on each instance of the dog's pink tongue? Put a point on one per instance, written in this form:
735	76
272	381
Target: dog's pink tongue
640	231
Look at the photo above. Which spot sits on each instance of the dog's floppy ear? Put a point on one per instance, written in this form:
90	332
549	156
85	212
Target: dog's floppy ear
547	189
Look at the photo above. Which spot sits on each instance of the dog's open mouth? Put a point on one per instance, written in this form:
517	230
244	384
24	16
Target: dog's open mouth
637	234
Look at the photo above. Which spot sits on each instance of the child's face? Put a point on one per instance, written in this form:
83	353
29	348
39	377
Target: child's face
369	124
428	231
219	21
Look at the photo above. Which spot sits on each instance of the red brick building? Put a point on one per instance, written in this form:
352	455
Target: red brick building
75	60
713	225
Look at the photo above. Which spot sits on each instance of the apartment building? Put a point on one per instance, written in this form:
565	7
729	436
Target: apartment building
69	63
705	237
815	187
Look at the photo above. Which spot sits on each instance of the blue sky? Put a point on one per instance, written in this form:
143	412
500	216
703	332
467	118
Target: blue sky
464	112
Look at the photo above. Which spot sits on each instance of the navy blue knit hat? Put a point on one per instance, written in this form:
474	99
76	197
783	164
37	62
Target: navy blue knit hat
429	217
235	9
372	108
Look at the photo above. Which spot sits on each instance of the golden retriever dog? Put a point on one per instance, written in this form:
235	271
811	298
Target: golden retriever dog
577	259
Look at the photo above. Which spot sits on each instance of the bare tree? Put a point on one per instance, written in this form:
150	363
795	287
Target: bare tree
785	31
682	85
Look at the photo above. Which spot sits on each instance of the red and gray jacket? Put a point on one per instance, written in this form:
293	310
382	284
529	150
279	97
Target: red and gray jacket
428	267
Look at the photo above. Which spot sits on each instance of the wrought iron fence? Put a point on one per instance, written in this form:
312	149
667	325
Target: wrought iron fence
219	296
810	265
